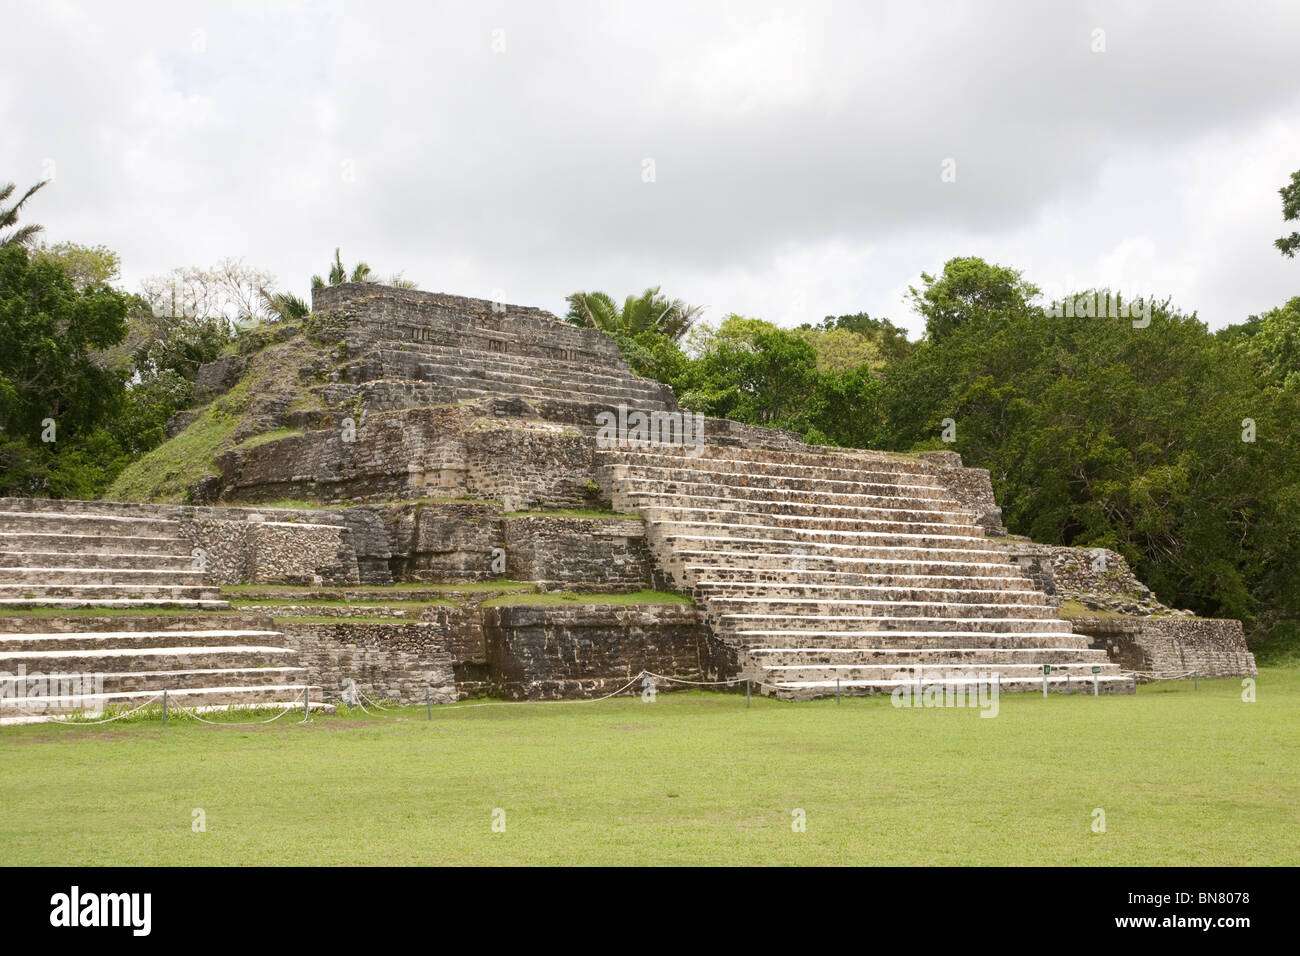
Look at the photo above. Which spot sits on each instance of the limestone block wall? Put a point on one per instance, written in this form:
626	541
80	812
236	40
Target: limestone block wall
971	486
387	660
531	467
240	545
1097	578
368	314
1171	645
582	554
539	652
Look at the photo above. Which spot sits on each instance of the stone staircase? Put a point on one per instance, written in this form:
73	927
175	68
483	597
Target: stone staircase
456	350
90	559
850	573
76	557
61	664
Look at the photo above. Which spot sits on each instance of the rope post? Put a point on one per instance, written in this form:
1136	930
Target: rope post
747	693
837	692
1068	691
306	701
164	706
1047	669
1196	681
428	704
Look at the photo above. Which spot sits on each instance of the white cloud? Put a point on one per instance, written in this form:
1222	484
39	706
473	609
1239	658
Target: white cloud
797	148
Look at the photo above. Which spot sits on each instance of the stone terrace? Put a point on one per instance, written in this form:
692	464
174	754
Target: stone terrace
53	561
848	573
408	349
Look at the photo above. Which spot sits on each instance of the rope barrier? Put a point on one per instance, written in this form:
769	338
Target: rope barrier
89	723
234	723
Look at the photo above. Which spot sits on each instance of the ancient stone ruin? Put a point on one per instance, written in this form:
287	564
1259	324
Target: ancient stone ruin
416	494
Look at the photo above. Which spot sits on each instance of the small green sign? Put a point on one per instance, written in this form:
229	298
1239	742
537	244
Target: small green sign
1096	670
1047	668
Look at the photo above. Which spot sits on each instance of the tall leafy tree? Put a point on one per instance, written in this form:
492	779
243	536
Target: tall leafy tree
1290	212
970	291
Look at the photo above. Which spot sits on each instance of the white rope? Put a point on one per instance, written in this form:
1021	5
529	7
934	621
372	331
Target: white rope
1163	675
235	723
109	720
510	703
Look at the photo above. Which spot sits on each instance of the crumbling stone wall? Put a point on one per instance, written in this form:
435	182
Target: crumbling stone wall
577	554
538	652
400	662
1097	578
971	486
1168	646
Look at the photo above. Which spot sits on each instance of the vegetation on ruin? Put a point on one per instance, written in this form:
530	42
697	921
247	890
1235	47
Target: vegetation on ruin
1184	777
552	600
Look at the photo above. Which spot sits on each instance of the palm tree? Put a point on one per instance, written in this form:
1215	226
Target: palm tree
284	306
338	274
24	235
650	311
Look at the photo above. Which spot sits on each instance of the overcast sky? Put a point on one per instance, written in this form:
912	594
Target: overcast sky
797	151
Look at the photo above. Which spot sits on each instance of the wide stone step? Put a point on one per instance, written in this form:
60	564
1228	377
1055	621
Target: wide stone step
920	541
98	560
410	366
780	561
810	690
12	604
117	659
924	656
135	641
802	621
31	687
94	592
631	487
55	622
779	577
60	522
906	641
736	456
668	459
709	516
51	575
779	604
969	552
544	376
474	356
391	395
793	509
236	695
925	673
685	480
797	589
86	543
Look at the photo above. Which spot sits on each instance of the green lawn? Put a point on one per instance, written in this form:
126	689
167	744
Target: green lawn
1184	777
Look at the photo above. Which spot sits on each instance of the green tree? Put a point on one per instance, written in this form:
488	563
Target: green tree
55	391
1290	194
970	292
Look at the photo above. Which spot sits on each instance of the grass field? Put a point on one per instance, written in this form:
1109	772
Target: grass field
1183	776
